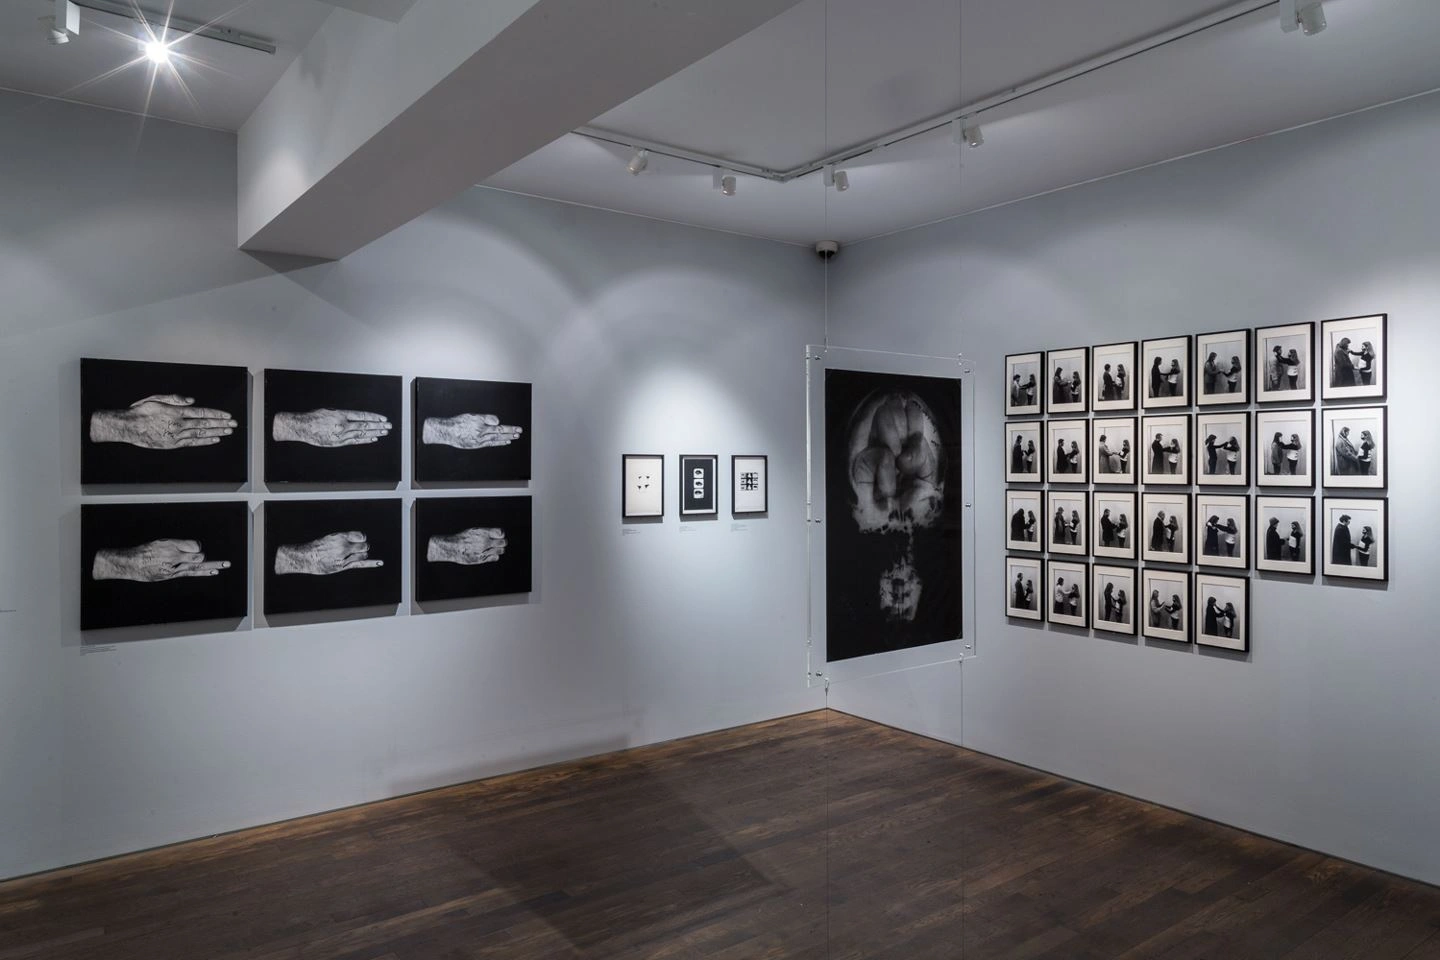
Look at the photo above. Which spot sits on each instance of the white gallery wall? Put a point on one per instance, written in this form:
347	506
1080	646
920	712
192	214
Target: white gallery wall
1326	733
117	239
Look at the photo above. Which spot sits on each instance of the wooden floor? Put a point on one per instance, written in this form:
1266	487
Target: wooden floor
814	836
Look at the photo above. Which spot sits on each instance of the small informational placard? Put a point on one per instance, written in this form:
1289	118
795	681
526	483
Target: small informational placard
85	651
629	531
690	528
739	527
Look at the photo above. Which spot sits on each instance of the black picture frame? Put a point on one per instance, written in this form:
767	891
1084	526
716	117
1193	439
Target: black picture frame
1023	360
458	554
1377	569
1172	388
636	504
1369	386
1239	456
1271	375
1106	427
1016	499
1099	607
144	422
1269	458
1078	572
1113	354
323	555
1057	540
1041	605
332	429
1067	428
1363	467
453	438
699	493
1122	506
1151	631
1150	503
1237	384
1205	503
145	564
1076	360
1207	584
1022	430
1176	427
1279	555
745	497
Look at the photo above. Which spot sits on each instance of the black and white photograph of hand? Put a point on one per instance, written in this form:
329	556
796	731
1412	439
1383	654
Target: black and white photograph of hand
165	421
326	556
468	548
155	562
469	431
330	428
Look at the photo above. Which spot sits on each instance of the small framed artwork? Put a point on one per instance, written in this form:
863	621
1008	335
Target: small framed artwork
1114	591
1067	527
1354	353
1285	448
1222	448
1223	603
472	547
749	484
1353	451
1023	443
1067	442
332	554
1024	588
1167	373
1284	363
642	478
698	496
144	422
1024	373
1069	584
1114	446
1222	524
1113	531
1026	512
1166	529
1222	374
332	428
1359	538
1283	532
1167	605
1112	373
471	431
1167	449
1067	379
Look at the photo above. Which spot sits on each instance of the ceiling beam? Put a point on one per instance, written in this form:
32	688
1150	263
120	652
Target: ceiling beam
375	123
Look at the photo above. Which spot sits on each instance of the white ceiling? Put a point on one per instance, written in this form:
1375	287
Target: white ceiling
762	100
222	83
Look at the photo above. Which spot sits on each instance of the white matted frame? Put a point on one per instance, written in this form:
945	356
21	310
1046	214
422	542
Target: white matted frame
1222	448
1114	525
1222	368
1114	443
1165	527
1112	377
1221	607
1284	539
1165	379
1025	525
1069	462
1165	605
1362	550
1165	449
1030	452
1353	355
1068	584
1065	516
1025	384
749	484
1284	448
1025	588
1112	592
1284	363
642	486
1354	442
1222	530
1066	371
819	359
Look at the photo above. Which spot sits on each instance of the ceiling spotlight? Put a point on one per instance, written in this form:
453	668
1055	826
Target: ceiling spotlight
156	52
1307	16
638	162
724	181
838	179
970	132
64	24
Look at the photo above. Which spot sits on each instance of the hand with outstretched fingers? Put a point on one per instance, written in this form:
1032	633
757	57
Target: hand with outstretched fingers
330	428
163	421
469	431
327	555
155	562
469	548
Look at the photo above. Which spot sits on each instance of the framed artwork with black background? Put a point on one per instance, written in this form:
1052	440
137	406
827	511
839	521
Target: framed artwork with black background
471	431
154	563
699	496
472	547
332	428
148	423
331	554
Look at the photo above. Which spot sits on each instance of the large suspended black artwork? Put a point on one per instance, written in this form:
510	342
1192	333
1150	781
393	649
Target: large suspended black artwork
893	550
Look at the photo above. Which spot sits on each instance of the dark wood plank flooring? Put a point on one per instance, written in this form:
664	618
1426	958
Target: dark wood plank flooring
818	836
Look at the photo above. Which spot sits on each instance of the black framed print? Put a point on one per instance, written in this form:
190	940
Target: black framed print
1025	513
1115	442
1358	532
1167	449
1067	529
330	428
1069	584
1167	605
1222	448
1024	440
153	563
1222	525
1067	443
749	484
1353	447
1067	369
1114	591
1025	386
1025	588
1223	605
1284	533
144	423
472	547
1113	529
1284	363
332	554
1167	373
471	431
698	496
1112	374
1166	527
1222	368
642	485
1353	349
1285	448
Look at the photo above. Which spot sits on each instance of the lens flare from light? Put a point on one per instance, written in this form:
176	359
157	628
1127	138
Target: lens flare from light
157	52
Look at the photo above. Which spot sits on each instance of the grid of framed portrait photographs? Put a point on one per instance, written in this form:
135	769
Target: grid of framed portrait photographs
1154	485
